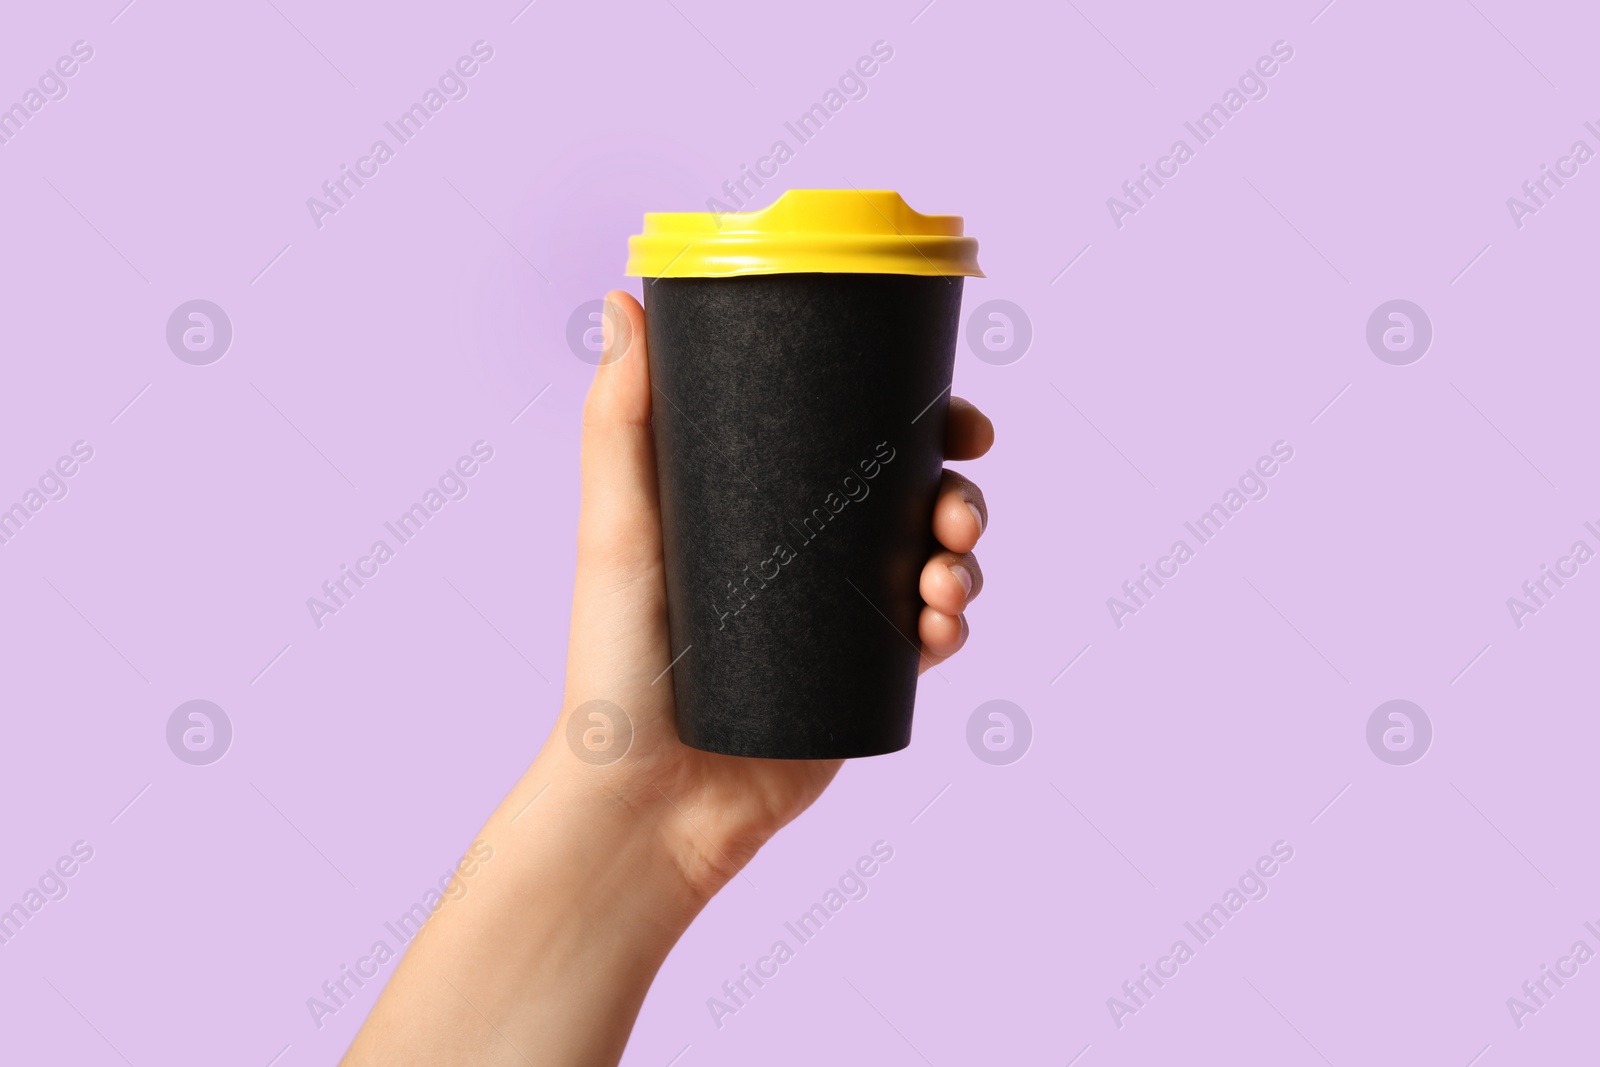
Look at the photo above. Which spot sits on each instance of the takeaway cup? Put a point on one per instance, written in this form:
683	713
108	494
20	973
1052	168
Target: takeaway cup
800	362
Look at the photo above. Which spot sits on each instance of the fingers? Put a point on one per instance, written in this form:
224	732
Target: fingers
942	636
619	395
619	478
950	581
951	578
968	432
959	513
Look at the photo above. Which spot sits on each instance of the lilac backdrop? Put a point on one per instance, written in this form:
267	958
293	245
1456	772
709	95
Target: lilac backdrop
1227	312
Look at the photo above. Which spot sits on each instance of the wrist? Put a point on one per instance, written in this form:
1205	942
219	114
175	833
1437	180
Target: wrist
604	843
673	815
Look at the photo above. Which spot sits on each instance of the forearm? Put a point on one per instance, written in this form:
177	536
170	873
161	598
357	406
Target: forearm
548	956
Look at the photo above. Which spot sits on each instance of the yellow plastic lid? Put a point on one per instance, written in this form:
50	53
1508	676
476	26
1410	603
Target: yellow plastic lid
826	231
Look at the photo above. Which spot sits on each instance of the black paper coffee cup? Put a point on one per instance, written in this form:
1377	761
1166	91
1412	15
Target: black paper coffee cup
800	362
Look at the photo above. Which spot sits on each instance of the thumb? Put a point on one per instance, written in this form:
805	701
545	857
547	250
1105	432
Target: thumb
619	523
618	638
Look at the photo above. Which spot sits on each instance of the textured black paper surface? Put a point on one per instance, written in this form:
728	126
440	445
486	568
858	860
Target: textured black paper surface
799	427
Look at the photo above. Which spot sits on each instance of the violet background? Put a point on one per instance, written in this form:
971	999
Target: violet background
1224	316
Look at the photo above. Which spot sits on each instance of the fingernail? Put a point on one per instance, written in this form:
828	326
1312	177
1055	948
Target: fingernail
963	576
976	514
607	334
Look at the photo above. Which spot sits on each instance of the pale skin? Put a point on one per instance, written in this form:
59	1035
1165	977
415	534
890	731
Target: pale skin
543	954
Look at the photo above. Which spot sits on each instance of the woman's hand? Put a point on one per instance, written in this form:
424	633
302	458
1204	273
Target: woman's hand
600	857
716	810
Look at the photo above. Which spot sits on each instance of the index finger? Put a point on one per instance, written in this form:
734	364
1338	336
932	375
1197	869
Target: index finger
968	431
